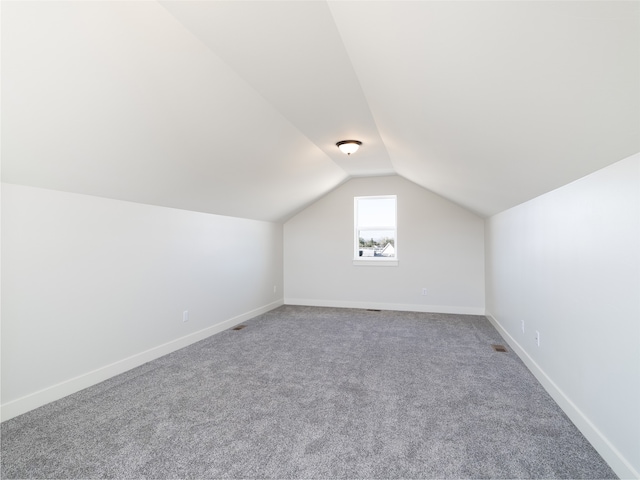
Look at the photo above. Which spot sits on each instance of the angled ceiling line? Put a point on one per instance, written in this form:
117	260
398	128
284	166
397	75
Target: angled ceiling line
364	94
292	54
240	77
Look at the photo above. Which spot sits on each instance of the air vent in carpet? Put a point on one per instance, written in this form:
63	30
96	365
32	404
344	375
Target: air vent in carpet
239	327
499	348
372	310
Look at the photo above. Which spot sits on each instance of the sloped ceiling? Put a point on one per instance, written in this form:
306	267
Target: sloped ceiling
234	107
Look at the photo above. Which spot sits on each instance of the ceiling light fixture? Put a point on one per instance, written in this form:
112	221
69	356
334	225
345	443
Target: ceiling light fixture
349	146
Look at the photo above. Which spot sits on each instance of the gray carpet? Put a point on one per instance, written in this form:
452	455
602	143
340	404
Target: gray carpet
306	392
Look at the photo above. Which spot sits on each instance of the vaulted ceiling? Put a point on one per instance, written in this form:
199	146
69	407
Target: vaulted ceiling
234	107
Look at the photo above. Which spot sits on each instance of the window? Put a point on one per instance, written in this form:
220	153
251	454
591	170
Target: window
375	240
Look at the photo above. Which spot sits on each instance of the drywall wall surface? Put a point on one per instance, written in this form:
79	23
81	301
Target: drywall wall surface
88	282
567	264
439	244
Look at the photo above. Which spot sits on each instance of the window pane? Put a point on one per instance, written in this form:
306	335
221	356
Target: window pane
379	212
375	228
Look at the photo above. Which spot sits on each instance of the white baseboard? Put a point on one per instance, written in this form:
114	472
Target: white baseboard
403	307
55	392
603	446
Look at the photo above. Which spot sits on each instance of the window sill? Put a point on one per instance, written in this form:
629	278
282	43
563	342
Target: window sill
375	263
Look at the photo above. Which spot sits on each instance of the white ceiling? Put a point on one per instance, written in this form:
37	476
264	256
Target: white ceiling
234	107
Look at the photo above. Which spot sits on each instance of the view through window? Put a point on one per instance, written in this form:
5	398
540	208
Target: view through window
375	228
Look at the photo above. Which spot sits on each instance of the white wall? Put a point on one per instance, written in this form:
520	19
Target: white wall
440	247
568	264
93	287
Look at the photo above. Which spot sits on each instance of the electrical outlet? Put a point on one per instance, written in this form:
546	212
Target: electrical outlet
522	326
537	338
424	292
185	316
275	288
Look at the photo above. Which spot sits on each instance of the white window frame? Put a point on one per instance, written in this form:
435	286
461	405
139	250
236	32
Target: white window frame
373	261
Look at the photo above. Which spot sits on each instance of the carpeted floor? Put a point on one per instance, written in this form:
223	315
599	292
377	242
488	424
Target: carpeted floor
305	392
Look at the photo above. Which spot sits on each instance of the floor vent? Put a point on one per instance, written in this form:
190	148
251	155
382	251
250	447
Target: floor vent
499	348
239	327
373	310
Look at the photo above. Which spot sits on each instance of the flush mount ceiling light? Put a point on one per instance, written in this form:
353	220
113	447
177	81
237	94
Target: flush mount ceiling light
349	146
